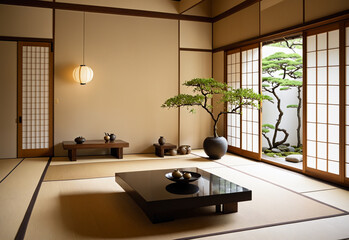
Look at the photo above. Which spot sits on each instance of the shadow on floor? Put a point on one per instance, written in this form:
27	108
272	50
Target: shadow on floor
116	215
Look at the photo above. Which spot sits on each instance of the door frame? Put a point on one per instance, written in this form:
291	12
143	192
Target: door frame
31	152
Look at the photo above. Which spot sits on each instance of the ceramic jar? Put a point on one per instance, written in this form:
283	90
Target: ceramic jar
80	140
162	140
182	150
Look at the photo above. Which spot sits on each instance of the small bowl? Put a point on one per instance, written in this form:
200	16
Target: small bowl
194	176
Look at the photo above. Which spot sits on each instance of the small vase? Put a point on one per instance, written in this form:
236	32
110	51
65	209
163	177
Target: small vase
112	137
162	140
182	150
80	140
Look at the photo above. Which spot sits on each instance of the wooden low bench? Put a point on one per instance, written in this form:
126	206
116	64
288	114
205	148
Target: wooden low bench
116	147
160	149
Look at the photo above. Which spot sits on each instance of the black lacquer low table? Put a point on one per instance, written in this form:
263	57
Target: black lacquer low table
161	198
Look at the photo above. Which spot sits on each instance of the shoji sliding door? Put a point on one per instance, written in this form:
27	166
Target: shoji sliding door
324	128
243	131
35	96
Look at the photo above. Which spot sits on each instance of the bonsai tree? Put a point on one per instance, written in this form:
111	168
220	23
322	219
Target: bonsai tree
280	67
205	88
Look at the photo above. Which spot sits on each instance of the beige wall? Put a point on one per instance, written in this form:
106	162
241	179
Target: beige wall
8	99
218	74
195	35
220	6
237	27
279	14
319	8
135	67
202	9
194	128
17	21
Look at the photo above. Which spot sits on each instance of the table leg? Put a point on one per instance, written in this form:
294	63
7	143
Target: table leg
117	152
72	154
227	207
159	152
219	208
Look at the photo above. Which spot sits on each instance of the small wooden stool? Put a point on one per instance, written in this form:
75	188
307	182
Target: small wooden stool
160	149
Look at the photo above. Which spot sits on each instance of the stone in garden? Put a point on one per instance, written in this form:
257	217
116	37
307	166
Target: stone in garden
291	149
294	158
282	148
264	148
275	150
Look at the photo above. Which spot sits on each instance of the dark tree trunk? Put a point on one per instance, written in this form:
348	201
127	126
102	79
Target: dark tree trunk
215	128
278	122
269	143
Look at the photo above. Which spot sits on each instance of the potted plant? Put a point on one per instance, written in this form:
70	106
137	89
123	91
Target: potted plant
204	89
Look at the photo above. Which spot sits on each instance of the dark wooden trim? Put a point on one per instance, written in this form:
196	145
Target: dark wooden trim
195	50
107	10
179	81
260	115
11	171
235	9
23	227
19	98
25	39
53	46
342	101
297	29
346	73
304	102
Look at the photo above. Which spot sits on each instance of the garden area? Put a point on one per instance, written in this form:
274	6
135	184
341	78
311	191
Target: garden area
282	77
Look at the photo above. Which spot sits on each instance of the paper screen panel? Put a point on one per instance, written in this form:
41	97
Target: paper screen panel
35	97
250	116
323	101
233	80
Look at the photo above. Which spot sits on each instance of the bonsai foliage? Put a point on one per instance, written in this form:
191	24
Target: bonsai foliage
282	69
203	91
265	129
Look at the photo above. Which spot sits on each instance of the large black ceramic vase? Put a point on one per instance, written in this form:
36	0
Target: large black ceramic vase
215	147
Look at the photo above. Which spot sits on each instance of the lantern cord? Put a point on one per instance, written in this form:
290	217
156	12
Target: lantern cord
83	41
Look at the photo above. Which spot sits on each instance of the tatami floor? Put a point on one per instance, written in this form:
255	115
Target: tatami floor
80	200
